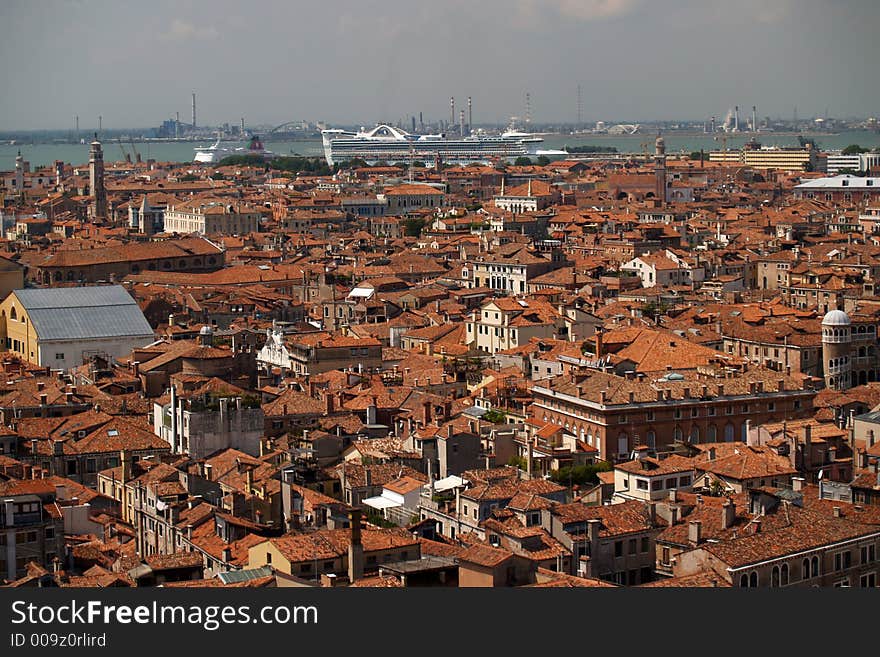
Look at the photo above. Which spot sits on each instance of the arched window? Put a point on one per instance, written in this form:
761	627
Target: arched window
774	577
814	566
695	434
651	438
729	433
805	569
753	580
677	434
13	314
712	433
783	579
744	581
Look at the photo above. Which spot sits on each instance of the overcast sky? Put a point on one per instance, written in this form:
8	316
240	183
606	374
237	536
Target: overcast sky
347	61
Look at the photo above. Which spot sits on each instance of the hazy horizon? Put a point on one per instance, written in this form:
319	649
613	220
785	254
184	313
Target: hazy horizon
360	61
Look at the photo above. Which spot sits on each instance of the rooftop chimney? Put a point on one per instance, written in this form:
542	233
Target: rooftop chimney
355	548
694	532
728	514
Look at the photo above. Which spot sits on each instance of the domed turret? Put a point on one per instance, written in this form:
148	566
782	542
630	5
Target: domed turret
836	318
836	348
206	336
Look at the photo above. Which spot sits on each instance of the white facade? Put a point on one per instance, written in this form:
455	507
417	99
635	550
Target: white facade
64	354
274	353
837	162
202	433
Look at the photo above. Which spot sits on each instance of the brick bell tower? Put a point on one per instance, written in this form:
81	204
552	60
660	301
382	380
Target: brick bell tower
660	169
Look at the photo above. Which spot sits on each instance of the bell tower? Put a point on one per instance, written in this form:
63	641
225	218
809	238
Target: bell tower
96	179
660	169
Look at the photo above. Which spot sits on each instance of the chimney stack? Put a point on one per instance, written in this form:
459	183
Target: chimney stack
355	548
728	514
694	532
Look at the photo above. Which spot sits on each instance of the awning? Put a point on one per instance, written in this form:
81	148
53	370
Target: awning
380	502
448	483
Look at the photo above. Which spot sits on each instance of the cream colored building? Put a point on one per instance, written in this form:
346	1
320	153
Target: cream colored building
507	322
61	327
211	216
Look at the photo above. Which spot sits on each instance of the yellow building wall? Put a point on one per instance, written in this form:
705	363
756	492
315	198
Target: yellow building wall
18	335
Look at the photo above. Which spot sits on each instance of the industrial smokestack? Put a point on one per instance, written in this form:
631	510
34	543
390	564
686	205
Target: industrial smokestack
470	123
413	123
194	109
754	118
421	123
242	126
451	111
713	124
461	123
736	118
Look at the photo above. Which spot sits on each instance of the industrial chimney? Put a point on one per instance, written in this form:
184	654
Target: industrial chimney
194	109
451	111
470	123
736	118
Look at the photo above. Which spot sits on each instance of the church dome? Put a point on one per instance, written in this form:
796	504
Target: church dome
836	318
206	330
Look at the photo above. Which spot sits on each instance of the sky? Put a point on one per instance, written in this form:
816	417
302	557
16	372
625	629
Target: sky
363	61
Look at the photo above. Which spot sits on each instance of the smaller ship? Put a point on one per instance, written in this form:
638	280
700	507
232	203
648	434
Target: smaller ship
215	153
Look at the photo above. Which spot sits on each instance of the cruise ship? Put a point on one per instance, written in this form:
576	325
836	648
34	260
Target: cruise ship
213	154
385	143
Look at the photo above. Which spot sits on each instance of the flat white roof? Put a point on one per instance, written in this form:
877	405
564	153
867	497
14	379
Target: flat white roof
837	182
448	483
381	502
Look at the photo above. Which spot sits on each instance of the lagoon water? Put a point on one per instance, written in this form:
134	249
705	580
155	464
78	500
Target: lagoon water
45	154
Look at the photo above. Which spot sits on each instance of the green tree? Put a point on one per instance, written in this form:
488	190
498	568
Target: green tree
413	226
853	149
695	155
580	474
543	160
495	416
518	462
522	161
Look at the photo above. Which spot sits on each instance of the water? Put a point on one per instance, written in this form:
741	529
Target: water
46	154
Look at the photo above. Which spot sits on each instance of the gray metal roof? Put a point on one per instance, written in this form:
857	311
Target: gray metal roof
83	312
236	576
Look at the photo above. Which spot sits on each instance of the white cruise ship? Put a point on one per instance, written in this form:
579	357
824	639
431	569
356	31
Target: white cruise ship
215	153
385	143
